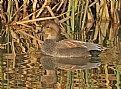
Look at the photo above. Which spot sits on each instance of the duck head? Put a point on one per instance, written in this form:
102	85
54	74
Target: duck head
51	30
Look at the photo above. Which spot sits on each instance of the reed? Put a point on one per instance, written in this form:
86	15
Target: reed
69	84
117	72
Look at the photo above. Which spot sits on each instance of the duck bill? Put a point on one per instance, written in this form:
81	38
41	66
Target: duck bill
41	32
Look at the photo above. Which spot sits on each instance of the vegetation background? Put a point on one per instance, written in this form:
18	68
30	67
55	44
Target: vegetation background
87	20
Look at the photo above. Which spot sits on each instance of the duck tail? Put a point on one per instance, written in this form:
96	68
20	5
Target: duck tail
92	46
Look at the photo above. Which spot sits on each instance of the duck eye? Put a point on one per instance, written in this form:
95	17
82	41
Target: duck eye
47	26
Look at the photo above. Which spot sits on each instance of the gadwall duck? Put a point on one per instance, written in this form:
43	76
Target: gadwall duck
65	48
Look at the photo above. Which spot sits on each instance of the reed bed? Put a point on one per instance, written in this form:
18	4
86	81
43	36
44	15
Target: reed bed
90	20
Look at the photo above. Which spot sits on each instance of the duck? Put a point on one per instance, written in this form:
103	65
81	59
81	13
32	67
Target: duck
54	47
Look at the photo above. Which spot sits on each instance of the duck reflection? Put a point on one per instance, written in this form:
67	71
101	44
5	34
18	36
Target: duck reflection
51	64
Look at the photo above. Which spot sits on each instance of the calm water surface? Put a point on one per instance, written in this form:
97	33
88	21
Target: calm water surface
35	71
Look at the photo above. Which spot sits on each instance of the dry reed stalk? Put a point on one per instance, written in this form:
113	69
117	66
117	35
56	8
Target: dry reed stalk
107	76
112	8
83	22
90	21
39	19
73	17
65	19
9	10
111	37
51	12
14	36
16	3
96	31
64	7
115	17
14	54
24	18
54	7
42	8
25	8
61	3
34	9
28	35
103	14
93	3
103	29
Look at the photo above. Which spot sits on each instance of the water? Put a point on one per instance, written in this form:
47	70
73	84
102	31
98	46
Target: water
35	71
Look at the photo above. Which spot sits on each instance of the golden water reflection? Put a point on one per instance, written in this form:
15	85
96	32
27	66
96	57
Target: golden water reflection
35	71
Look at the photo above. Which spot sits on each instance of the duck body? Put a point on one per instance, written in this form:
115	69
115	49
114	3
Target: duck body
66	48
69	48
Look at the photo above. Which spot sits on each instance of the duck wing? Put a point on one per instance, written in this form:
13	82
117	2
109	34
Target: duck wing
71	48
74	48
71	44
74	43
